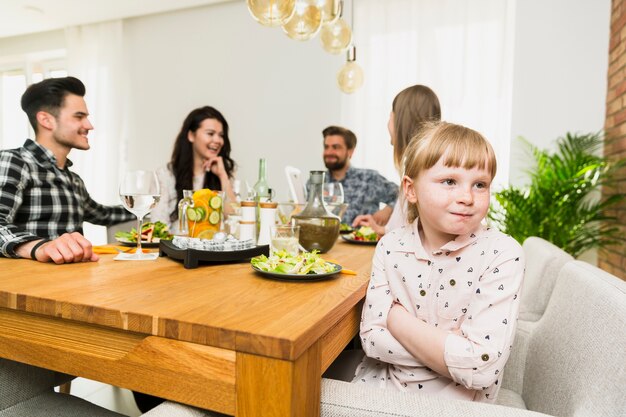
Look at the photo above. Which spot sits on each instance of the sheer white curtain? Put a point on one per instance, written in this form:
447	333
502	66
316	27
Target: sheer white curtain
95	55
462	49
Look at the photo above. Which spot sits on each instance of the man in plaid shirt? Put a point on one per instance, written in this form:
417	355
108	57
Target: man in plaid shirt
42	203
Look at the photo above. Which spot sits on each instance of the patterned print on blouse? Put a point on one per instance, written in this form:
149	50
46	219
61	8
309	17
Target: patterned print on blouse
472	284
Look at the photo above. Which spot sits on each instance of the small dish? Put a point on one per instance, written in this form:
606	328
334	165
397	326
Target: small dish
144	244
300	277
350	239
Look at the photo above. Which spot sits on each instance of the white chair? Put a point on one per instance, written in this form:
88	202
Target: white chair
297	187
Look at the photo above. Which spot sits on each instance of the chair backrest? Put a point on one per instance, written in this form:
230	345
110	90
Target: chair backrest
19	382
297	188
120	227
543	263
576	360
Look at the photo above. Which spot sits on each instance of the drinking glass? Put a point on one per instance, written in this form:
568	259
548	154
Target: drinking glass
332	193
139	192
284	237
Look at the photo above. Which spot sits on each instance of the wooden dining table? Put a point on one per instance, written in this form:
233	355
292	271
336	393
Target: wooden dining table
220	337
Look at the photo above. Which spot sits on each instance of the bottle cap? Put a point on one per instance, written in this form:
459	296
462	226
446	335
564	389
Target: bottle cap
317	177
268	204
248	203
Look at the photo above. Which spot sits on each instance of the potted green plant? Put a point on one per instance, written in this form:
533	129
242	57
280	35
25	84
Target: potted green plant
563	202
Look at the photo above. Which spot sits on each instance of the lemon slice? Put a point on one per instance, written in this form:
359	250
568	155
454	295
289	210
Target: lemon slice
214	217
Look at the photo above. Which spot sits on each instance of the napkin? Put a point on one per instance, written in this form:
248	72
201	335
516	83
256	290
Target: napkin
106	249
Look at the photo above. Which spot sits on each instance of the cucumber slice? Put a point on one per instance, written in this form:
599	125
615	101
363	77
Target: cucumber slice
192	215
214	217
200	213
215	202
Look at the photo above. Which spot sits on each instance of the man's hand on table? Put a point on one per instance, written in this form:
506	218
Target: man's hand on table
67	248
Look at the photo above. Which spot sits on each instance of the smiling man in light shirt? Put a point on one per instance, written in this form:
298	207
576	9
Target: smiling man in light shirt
364	189
42	203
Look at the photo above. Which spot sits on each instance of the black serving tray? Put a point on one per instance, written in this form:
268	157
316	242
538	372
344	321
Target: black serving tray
192	257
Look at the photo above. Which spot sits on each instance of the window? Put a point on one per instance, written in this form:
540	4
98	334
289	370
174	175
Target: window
14	78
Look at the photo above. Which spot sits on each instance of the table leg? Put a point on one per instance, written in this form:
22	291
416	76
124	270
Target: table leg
279	388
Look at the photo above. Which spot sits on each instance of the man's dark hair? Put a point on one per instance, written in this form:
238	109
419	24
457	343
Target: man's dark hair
348	137
48	95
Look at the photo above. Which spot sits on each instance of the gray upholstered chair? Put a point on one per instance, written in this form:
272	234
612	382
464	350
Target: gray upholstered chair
120	227
543	263
28	391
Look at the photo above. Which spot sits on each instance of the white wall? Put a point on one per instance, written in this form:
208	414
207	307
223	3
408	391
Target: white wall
277	94
560	72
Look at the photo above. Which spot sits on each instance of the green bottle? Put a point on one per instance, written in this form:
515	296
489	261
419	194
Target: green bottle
261	188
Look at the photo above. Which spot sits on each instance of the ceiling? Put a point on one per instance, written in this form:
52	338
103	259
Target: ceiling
20	17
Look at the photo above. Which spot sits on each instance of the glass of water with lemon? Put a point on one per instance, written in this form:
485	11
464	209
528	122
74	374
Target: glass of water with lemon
205	216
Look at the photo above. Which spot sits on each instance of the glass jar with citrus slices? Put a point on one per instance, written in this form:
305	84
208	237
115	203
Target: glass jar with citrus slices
205	217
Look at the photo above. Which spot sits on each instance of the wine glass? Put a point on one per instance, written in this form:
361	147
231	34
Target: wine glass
139	192
332	193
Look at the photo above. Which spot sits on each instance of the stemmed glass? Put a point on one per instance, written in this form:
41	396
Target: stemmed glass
139	192
333	193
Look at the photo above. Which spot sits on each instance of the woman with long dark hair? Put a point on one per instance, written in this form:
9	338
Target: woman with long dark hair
200	159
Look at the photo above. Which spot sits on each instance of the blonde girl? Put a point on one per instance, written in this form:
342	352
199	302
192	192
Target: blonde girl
441	307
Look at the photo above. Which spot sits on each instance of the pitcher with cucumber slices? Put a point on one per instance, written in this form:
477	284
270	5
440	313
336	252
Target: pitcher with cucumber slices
205	216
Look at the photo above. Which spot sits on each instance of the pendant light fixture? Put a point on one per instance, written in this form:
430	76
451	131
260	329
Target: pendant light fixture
336	36
350	76
271	12
331	10
305	22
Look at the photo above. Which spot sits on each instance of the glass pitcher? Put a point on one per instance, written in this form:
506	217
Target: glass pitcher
319	228
183	204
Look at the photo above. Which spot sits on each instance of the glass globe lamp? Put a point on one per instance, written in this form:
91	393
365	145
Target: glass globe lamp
271	12
331	10
305	22
336	37
350	76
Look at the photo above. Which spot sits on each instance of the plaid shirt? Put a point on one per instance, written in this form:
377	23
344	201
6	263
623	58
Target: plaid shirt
38	199
363	190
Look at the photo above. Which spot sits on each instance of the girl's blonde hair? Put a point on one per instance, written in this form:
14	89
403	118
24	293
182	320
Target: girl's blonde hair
458	145
412	107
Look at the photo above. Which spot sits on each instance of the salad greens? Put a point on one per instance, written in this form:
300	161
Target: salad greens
345	227
366	233
150	232
282	262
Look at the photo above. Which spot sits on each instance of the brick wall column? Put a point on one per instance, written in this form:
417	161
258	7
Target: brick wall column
613	260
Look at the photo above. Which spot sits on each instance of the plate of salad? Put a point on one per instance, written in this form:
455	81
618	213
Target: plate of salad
151	235
345	228
306	266
364	235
